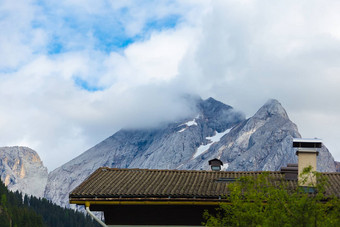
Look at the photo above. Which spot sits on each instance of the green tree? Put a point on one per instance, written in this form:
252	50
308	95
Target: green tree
265	201
29	211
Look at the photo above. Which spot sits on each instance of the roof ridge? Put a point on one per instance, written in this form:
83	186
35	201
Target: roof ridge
178	170
202	171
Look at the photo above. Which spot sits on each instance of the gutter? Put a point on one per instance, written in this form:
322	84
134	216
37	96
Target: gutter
87	205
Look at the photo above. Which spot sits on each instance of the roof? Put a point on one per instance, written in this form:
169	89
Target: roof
215	161
307	140
307	143
112	184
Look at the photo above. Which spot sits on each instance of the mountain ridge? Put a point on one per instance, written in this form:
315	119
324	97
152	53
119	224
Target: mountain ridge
261	142
213	130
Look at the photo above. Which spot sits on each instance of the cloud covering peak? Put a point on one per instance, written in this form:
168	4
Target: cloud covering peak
74	72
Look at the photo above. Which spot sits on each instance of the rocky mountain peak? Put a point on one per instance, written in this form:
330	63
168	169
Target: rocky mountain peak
218	115
216	130
271	108
212	105
22	169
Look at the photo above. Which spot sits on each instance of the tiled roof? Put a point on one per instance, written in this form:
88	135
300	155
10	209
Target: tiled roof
121	184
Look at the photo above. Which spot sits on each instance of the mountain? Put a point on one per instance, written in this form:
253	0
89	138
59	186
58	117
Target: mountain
337	166
262	142
21	169
19	210
167	147
215	130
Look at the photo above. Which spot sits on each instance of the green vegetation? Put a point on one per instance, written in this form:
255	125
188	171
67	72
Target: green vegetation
16	211
262	201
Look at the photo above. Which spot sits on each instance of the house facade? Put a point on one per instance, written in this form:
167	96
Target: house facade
164	197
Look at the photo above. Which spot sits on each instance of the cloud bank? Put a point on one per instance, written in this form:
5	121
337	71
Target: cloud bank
74	72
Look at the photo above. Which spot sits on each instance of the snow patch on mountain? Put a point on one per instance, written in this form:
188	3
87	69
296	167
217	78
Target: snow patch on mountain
188	124
182	130
224	166
191	123
216	138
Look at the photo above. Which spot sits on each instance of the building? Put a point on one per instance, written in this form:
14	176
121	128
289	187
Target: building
172	197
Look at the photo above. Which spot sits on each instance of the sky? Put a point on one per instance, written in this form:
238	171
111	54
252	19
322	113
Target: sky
74	72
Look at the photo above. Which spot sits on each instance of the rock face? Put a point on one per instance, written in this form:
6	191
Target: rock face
337	166
21	169
168	147
262	142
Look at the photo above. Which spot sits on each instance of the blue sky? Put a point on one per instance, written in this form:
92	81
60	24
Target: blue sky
74	27
74	72
106	33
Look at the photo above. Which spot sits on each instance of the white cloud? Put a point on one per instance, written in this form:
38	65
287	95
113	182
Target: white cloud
44	108
149	62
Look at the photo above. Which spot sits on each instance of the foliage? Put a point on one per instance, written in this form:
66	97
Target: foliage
56	216
264	201
29	211
14	213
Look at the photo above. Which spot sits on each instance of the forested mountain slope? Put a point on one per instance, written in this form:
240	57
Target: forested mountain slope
36	212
